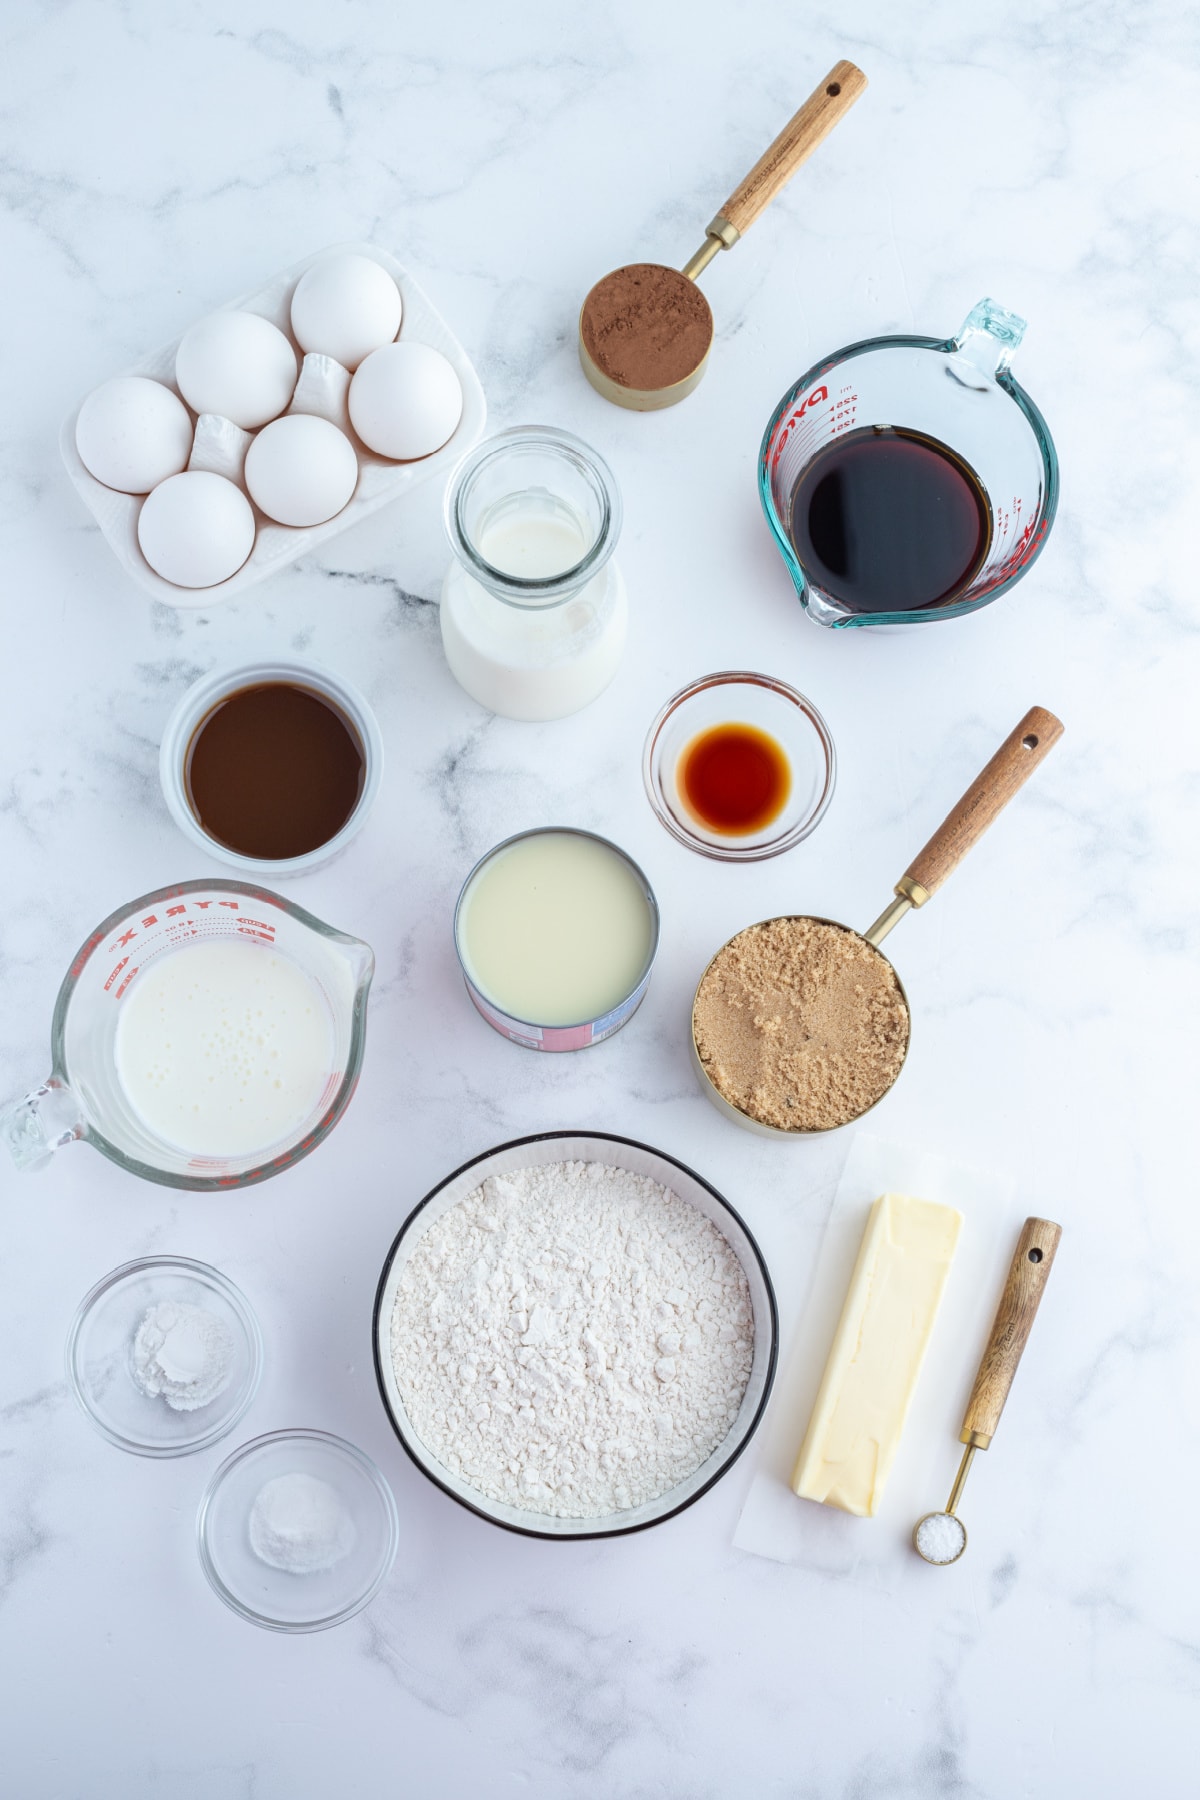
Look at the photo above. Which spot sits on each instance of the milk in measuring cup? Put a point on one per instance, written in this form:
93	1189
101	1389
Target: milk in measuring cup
224	1047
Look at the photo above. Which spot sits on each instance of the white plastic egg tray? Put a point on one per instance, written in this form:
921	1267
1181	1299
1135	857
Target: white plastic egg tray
379	481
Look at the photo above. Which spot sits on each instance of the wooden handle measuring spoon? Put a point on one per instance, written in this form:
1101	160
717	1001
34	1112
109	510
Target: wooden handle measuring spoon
645	330
942	1537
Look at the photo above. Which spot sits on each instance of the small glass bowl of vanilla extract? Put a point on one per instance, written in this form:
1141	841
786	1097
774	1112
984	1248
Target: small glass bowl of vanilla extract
739	766
271	767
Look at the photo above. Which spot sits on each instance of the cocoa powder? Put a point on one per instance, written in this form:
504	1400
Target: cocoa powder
646	326
800	1024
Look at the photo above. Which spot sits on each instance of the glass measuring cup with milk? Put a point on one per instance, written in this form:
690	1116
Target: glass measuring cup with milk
206	1036
533	608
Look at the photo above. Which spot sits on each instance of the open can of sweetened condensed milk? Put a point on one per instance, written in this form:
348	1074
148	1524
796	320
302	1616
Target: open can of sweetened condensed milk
556	932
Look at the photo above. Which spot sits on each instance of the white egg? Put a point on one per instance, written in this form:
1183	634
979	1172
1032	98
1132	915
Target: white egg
238	365
132	433
345	307
405	401
196	529
301	470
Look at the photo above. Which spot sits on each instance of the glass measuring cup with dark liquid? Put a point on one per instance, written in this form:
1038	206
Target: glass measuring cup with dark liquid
910	479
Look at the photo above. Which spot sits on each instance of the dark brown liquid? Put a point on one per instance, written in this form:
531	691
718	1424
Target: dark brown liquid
889	521
274	771
735	779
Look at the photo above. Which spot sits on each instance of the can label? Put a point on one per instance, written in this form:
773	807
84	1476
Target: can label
558	1037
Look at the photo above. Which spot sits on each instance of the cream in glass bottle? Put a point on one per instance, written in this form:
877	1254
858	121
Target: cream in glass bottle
533	608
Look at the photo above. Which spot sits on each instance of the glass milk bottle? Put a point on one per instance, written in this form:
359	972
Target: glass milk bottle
533	608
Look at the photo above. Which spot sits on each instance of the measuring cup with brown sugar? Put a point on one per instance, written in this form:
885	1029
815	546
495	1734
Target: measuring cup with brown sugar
800	1024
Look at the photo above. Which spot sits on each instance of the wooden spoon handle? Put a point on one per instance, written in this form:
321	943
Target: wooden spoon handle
795	143
1032	1262
987	796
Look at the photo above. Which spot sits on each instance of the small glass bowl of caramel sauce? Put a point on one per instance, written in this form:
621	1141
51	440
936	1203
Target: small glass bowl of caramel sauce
271	767
739	766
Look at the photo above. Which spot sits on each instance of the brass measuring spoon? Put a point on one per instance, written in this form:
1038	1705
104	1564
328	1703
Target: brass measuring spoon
1014	762
648	309
941	1537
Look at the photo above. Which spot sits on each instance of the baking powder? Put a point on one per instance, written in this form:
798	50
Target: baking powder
182	1353
574	1340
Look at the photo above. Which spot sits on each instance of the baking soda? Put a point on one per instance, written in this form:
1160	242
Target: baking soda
298	1523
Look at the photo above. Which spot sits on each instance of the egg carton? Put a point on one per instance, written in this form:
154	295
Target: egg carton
379	481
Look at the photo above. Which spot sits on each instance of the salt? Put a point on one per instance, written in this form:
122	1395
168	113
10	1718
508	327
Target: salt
183	1355
941	1538
299	1524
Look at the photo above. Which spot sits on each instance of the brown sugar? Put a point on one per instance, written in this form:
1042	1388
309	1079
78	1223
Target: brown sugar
646	326
800	1024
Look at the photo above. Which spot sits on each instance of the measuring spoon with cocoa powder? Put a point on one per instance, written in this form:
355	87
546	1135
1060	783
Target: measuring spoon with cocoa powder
801	1024
645	331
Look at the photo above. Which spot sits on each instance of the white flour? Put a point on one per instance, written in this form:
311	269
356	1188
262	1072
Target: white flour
573	1339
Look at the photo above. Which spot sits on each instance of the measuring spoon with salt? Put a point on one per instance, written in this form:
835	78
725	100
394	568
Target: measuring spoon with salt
645	330
941	1537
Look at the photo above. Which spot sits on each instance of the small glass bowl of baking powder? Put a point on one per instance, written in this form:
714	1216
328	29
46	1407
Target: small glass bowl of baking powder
164	1356
297	1531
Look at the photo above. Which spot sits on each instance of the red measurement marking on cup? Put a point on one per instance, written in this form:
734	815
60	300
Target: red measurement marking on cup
813	398
122	964
170	912
809	425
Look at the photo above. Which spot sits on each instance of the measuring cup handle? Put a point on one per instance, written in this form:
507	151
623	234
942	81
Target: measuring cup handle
825	106
987	796
35	1127
1028	1273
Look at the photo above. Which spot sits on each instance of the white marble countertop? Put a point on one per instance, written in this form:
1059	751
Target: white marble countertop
157	160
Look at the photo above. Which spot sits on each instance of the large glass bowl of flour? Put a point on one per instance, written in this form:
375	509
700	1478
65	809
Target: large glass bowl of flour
478	1319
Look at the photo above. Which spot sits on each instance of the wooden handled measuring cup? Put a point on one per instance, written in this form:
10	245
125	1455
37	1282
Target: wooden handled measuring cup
942	1537
794	1049
645	330
987	796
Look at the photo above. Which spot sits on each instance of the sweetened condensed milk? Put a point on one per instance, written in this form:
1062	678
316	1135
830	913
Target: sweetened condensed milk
556	931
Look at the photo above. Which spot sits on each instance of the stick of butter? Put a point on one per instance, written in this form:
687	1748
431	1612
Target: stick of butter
877	1352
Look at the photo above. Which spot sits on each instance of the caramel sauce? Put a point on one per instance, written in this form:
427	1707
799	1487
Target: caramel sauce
734	779
274	770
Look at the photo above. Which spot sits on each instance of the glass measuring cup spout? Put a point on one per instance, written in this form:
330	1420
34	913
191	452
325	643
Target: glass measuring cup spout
84	1098
945	412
